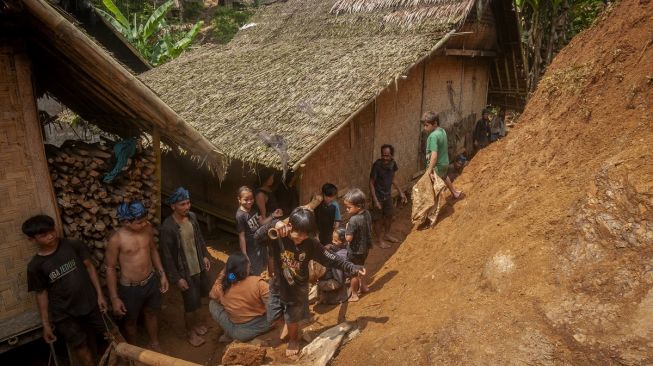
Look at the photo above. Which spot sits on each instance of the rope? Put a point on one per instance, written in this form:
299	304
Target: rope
53	355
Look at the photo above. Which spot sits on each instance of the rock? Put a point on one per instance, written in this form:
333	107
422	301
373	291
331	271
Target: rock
243	354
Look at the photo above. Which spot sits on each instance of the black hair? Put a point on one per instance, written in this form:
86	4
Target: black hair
341	232
244	189
329	189
388	146
303	221
431	118
235	270
356	197
39	224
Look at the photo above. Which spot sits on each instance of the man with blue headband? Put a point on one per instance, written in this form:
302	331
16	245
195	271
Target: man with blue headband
185	259
142	279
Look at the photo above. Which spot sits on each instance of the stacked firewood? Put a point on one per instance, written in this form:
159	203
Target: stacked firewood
88	205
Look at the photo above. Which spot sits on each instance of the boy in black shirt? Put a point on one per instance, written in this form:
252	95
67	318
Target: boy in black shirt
68	291
291	253
327	214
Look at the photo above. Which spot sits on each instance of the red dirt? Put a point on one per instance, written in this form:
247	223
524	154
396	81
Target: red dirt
549	258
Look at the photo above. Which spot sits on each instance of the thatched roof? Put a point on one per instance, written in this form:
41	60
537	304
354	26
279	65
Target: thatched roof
78	72
303	69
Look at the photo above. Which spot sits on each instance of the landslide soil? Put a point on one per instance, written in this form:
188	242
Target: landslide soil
549	258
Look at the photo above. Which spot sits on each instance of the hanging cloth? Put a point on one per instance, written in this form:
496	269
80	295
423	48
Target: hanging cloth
123	150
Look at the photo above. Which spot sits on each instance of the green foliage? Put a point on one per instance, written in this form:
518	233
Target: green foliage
192	10
549	25
151	35
227	21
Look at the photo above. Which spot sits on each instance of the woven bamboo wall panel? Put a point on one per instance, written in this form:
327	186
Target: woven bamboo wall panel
344	161
18	185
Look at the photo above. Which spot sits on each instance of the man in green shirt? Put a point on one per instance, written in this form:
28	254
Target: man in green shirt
437	153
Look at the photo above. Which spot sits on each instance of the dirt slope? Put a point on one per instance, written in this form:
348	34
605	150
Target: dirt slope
549	259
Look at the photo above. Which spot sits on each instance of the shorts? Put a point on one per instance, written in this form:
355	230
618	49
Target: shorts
441	171
198	287
293	312
136	298
358	259
73	328
387	209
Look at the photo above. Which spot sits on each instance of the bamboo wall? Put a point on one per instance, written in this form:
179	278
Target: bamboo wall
25	188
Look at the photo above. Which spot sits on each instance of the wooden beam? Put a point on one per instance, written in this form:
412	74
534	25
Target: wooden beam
156	146
468	53
496	67
505	63
149	357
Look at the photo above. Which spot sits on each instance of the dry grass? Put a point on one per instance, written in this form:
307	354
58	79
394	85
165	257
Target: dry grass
300	72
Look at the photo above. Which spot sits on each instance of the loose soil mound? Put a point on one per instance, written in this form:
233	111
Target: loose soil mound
549	258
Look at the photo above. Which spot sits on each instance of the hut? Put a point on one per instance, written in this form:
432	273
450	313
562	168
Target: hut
41	51
336	80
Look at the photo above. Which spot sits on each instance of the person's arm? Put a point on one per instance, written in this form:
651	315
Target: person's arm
216	290
158	266
242	242
260	203
375	200
92	274
432	160
42	303
401	193
264	291
328	259
261	234
111	260
165	244
202	242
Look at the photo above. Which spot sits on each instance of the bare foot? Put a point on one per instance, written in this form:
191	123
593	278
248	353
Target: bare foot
364	289
225	339
195	340
293	349
458	195
284	333
353	297
201	329
385	245
391	239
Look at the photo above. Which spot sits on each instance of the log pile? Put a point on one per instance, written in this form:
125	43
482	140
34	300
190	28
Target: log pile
88	205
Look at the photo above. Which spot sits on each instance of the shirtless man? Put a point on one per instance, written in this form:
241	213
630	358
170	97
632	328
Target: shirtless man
140	286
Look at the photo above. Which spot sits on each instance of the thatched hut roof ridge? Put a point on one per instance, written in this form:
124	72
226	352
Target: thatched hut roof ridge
300	73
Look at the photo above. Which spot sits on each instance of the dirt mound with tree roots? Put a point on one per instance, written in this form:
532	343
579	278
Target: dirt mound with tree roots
549	258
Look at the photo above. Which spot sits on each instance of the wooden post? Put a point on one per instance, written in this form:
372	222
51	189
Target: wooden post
156	145
149	357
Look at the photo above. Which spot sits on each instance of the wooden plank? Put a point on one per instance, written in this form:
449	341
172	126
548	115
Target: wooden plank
469	53
505	63
34	138
156	146
496	67
514	65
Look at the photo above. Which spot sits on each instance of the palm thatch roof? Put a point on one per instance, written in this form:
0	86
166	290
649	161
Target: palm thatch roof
303	69
72	67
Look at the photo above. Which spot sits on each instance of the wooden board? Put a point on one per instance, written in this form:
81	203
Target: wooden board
25	188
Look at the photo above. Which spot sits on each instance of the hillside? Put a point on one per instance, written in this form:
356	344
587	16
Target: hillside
549	258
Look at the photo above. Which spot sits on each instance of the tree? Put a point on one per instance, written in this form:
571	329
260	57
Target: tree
548	26
152	37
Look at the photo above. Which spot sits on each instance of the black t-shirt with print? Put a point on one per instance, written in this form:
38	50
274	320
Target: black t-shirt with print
63	275
383	175
248	223
325	218
291	264
360	227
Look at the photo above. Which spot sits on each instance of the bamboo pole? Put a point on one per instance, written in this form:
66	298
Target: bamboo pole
148	357
156	146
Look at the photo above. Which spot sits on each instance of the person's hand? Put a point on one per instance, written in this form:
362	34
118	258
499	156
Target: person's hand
119	308
403	198
48	334
164	284
277	213
282	228
432	175
102	304
207	264
377	204
182	284
362	271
